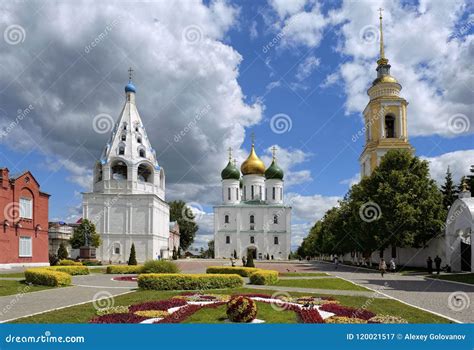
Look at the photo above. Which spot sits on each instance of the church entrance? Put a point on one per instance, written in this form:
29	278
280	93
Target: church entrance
253	251
465	256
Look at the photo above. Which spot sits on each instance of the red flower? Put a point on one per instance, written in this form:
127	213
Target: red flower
118	318
346	311
158	305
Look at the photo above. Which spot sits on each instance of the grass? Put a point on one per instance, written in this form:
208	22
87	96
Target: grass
83	313
18	287
461	277
321	283
303	274
13	275
265	312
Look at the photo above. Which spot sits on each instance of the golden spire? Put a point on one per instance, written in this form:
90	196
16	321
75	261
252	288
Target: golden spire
382	59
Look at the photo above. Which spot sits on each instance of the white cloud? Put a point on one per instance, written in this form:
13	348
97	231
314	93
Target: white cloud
459	163
306	68
310	208
352	181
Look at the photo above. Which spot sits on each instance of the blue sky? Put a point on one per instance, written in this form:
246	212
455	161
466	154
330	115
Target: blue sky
315	73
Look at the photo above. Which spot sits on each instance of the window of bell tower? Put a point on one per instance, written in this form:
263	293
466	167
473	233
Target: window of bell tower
389	126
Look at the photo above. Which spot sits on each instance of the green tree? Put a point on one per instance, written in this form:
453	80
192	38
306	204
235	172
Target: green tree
175	254
62	251
132	260
78	238
186	220
448	189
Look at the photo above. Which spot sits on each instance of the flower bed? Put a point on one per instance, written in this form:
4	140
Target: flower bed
346	311
241	309
126	278
118	318
158	305
47	277
343	319
387	319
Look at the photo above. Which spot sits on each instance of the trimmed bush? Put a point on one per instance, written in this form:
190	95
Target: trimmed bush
241	309
264	277
132	260
124	269
71	270
241	271
160	266
47	277
69	262
188	281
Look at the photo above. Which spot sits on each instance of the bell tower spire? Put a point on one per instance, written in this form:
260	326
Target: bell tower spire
382	59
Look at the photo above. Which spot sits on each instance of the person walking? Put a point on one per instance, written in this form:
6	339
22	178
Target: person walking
429	265
437	261
393	265
382	266
336	262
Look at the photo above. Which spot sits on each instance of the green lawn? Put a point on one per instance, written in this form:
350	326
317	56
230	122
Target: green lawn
15	275
16	287
321	283
265	312
83	313
461	277
303	274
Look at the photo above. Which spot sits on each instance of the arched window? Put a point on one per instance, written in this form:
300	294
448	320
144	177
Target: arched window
273	193
142	153
252	191
124	137
275	219
389	126
226	219
125	126
252	219
121	150
139	139
119	171
228	193
237	193
145	174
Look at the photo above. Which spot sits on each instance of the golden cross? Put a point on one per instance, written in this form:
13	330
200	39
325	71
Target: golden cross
382	53
130	71
274	149
230	153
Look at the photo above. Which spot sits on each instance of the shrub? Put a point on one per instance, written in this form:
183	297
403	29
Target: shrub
47	277
160	266
152	313
91	262
53	259
264	277
71	270
124	269
162	305
241	271
387	319
112	310
344	319
69	262
345	311
132	260
118	318
188	281
250	262
62	252
241	309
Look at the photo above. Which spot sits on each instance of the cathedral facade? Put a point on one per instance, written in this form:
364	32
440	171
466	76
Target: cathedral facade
252	217
127	202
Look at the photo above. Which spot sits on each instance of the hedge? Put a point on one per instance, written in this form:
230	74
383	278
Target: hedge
69	262
47	277
264	277
241	271
71	270
178	281
125	269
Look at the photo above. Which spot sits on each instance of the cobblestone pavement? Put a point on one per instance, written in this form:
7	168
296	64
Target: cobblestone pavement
453	300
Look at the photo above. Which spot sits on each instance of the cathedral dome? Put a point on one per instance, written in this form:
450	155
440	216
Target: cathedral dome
253	165
130	87
230	172
385	79
274	172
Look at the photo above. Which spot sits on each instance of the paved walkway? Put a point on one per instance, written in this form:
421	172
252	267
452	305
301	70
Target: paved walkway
453	300
85	289
319	291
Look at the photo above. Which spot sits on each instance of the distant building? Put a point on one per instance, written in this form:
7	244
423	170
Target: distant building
174	236
61	232
24	221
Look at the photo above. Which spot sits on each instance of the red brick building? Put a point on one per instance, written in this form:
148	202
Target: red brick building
23	221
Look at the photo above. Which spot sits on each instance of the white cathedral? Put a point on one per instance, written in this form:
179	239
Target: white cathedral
127	203
252	217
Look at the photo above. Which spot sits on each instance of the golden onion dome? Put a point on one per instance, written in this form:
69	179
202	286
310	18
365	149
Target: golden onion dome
385	79
253	165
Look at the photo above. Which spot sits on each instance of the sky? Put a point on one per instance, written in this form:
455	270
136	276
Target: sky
209	74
